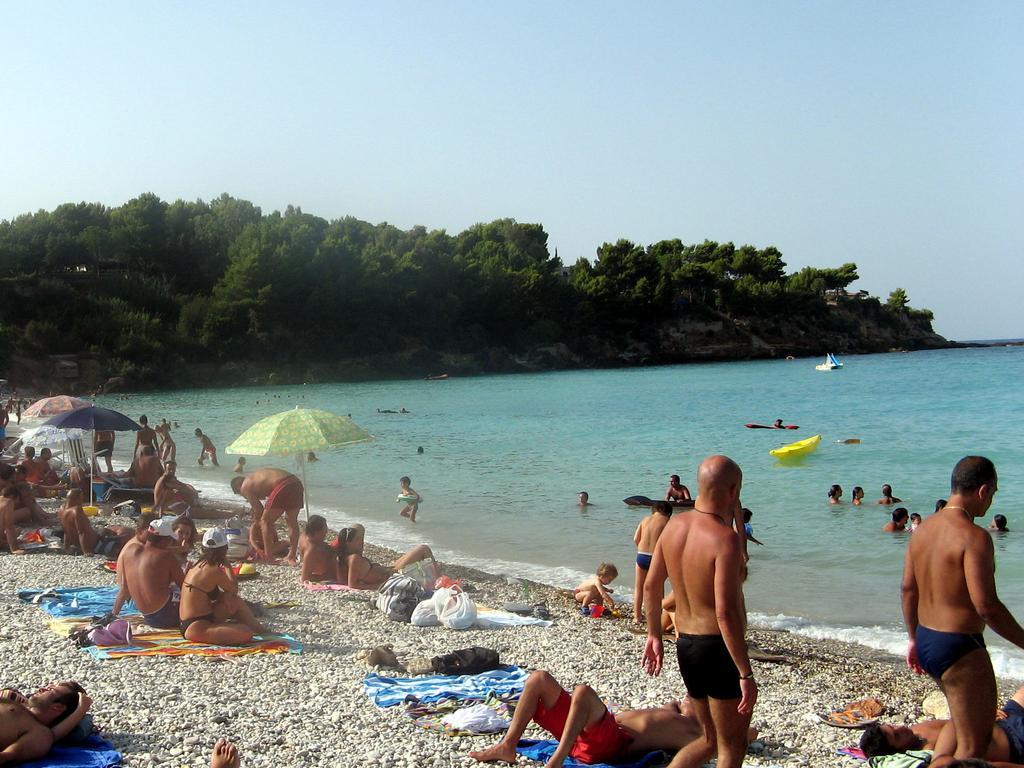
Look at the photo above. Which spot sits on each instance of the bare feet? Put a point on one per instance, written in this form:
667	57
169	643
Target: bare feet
225	755
500	752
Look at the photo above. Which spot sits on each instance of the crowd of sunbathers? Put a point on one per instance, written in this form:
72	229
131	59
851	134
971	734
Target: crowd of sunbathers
200	598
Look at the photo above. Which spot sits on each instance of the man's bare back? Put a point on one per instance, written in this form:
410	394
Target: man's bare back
258	484
148	573
938	552
648	531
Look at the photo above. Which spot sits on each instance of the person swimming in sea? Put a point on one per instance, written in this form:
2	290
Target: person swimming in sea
835	495
887	497
583	499
858	496
676	490
998	524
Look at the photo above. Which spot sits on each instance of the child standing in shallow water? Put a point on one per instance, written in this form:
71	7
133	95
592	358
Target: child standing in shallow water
410	497
645	538
595	590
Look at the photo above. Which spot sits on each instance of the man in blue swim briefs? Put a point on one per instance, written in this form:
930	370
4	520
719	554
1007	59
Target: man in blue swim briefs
949	596
151	576
645	537
701	553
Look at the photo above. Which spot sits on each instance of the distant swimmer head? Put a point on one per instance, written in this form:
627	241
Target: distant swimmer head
858	492
887	490
915	519
900	515
662	508
940	503
1000	523
420	449
835	492
584	498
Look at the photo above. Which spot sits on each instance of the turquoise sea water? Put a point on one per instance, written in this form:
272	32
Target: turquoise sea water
506	455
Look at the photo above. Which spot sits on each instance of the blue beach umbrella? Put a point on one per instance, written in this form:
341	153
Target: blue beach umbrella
92	417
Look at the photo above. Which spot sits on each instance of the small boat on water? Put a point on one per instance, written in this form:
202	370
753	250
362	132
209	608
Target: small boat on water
830	364
799	448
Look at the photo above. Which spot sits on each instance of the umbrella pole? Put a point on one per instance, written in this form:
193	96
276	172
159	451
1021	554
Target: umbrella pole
305	487
92	477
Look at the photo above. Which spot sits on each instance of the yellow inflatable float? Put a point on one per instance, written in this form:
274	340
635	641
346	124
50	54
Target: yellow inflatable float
799	448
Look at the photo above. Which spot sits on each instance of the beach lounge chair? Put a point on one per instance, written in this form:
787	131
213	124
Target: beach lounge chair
115	492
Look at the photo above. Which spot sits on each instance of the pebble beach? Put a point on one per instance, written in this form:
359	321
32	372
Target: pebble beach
310	709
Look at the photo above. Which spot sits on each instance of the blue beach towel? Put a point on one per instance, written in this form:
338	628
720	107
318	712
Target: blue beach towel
389	691
92	753
74	602
541	751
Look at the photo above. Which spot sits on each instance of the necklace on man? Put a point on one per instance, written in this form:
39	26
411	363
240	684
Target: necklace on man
714	515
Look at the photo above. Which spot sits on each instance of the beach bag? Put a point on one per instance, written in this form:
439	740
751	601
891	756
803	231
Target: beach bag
399	596
117	632
424	615
467	661
458	611
237	535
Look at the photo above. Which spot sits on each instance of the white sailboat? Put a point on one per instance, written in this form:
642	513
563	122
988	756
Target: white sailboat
830	364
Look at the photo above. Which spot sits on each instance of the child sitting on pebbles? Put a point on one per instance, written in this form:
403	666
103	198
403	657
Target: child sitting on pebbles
595	590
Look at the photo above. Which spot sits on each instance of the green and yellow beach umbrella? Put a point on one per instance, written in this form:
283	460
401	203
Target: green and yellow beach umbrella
296	433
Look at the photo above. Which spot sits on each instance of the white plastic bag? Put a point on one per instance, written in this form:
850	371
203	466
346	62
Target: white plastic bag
478	718
459	611
424	614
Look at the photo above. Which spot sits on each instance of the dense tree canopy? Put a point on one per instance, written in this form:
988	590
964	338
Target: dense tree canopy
222	281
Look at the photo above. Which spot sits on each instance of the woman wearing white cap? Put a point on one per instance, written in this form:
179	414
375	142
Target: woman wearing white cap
211	610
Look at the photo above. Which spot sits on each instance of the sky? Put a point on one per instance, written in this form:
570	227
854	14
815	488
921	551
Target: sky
887	134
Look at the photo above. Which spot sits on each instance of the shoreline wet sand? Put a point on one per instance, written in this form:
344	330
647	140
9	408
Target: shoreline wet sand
310	709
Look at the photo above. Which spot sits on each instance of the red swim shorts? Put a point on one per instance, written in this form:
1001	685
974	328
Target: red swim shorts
603	742
287	494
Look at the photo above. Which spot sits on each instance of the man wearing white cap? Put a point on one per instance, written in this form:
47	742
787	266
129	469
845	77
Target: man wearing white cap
149	575
211	610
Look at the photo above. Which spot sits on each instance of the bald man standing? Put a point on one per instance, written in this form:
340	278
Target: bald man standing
701	553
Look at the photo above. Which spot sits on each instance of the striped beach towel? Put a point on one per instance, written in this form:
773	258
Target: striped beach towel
389	691
169	642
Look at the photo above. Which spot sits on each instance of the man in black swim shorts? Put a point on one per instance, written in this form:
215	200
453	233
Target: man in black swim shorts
949	596
701	553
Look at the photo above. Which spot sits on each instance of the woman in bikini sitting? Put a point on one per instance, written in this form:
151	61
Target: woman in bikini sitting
211	610
365	574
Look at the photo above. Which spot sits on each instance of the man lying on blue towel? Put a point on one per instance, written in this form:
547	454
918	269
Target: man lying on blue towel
587	731
30	726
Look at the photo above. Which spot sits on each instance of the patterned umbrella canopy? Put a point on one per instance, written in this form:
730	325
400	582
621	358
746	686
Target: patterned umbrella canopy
298	431
45	436
49	406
